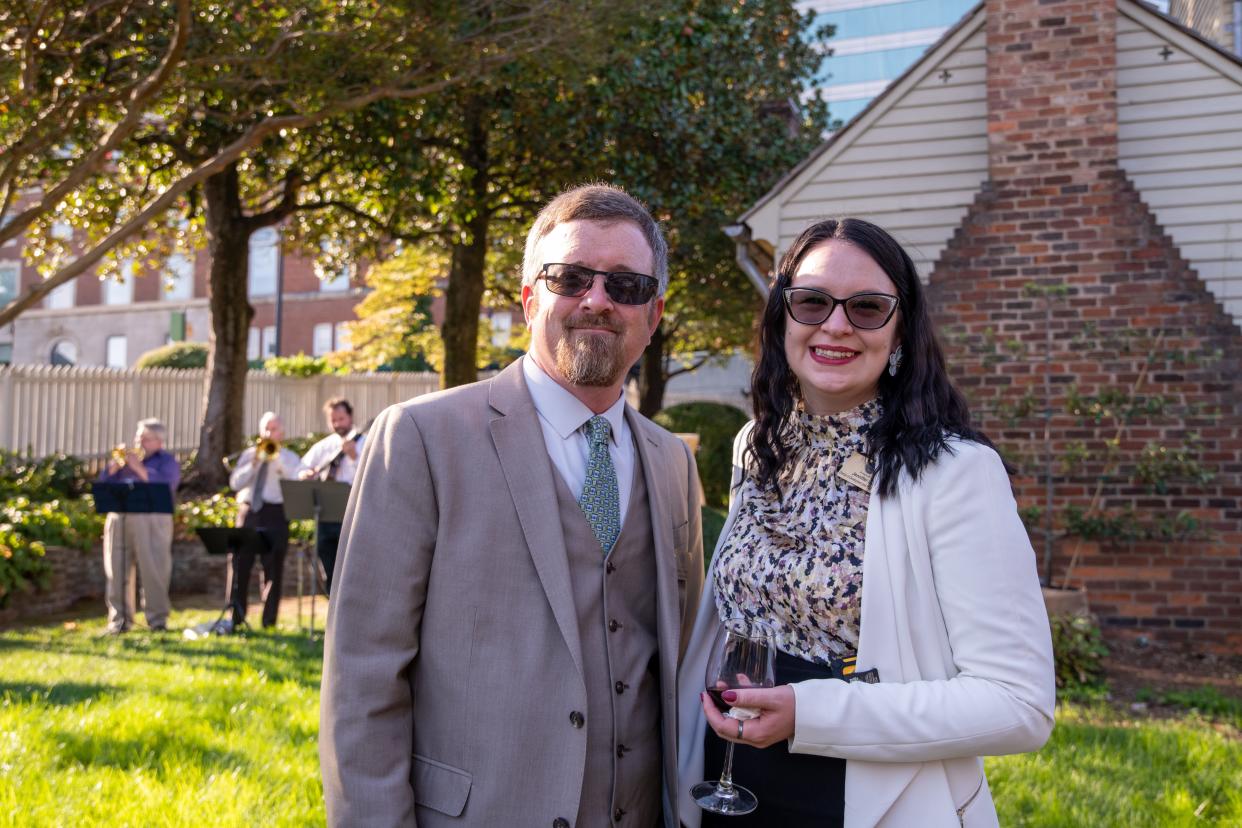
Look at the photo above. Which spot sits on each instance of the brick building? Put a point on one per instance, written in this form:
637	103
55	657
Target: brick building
1068	177
92	322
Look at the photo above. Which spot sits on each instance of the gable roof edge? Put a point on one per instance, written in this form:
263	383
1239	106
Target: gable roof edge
842	138
1194	43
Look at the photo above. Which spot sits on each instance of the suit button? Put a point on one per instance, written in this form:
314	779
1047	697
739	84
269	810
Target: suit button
577	719
614	625
560	823
620	687
610	567
621	749
617	814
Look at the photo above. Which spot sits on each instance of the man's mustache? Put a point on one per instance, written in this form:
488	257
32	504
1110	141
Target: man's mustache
593	321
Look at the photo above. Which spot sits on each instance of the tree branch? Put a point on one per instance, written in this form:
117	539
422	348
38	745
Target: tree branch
135	111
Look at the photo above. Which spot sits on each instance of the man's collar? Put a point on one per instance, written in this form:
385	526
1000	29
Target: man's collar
563	411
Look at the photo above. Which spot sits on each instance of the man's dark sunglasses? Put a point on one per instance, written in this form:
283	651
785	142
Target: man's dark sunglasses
867	311
622	287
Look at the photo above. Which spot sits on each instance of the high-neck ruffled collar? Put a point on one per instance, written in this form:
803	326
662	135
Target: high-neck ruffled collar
821	429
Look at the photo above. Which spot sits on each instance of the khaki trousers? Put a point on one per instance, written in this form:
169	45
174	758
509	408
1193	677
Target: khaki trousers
142	541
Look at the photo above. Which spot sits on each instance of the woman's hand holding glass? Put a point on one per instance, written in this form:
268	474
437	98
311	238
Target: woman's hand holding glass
775	722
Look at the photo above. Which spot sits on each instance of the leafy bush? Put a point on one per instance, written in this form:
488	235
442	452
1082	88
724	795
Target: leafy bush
716	425
71	523
42	479
1079	652
175	355
21	563
298	365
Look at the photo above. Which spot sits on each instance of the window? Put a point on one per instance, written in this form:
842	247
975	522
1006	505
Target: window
62	230
119	290
178	279
117	352
269	342
64	352
10	277
6	353
502	327
342	336
252	344
321	339
332	281
61	297
4	220
264	261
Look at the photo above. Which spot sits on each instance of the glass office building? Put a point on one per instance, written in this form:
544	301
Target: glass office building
874	42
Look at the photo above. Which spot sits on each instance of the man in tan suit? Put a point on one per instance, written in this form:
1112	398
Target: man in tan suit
519	563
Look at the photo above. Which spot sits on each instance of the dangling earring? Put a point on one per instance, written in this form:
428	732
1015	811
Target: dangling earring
894	362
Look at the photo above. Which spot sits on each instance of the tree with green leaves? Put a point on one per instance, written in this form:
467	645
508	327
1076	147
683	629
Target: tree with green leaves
692	106
222	120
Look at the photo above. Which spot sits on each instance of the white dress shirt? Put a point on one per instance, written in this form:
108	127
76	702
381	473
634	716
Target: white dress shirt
284	467
320	454
563	418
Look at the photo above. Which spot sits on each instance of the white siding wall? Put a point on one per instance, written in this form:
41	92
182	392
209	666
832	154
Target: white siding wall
914	169
1180	141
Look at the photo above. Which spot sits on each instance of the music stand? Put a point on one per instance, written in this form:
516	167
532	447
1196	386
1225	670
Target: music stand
123	498
227	540
317	500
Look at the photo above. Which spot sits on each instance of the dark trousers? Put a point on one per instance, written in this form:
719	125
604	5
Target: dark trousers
329	539
271	523
794	789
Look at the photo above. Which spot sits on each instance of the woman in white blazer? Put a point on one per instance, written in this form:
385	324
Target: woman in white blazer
868	521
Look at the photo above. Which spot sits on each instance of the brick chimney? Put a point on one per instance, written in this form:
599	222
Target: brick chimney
1060	293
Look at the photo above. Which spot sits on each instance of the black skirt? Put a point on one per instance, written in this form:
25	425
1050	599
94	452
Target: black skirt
794	789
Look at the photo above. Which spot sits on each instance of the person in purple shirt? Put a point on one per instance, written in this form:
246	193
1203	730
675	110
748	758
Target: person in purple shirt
142	540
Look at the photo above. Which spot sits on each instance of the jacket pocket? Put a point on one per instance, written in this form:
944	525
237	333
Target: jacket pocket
440	787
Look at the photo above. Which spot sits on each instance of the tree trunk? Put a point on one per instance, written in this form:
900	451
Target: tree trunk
228	233
463	298
652	375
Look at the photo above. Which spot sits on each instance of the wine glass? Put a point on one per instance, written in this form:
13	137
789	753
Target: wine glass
741	657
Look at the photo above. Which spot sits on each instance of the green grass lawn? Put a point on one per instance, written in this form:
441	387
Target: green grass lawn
149	730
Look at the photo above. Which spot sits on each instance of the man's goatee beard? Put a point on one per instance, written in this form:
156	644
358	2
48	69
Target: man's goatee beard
589	361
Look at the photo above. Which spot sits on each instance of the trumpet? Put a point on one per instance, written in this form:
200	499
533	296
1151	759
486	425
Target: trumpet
266	449
120	454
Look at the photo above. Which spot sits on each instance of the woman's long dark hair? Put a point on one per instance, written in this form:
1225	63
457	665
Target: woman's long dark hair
921	406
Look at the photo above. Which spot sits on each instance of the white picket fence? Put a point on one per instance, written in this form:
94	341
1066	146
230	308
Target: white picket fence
87	411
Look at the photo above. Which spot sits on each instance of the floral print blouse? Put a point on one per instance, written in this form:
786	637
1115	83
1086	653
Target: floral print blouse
796	563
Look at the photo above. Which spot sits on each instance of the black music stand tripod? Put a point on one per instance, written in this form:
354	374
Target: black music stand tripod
130	497
320	501
229	541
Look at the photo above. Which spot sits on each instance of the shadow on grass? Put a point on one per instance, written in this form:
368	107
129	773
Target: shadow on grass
282	656
59	694
155	750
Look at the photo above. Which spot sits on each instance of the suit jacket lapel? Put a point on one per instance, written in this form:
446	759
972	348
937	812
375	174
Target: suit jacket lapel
655	473
528	473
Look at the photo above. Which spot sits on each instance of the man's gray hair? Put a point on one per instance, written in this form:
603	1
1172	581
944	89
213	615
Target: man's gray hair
154	426
267	417
595	202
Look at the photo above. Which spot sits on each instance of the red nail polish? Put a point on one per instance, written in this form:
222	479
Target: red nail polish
729	695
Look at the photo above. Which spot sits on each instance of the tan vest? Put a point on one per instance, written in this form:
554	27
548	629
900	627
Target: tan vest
615	599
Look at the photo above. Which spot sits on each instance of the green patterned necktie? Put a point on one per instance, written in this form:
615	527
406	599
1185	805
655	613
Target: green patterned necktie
600	499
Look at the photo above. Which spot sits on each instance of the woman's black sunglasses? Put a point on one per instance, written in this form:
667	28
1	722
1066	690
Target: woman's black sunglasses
867	311
622	287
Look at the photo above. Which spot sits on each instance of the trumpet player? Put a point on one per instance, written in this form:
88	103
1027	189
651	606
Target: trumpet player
260	505
139	540
335	457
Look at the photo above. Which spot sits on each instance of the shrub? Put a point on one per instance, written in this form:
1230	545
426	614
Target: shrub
175	355
21	563
220	510
717	425
1079	652
42	479
71	523
298	365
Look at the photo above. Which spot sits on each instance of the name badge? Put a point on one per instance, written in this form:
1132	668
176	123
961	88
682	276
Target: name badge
854	471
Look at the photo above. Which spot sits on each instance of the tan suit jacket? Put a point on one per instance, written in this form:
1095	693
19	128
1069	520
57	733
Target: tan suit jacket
453	691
